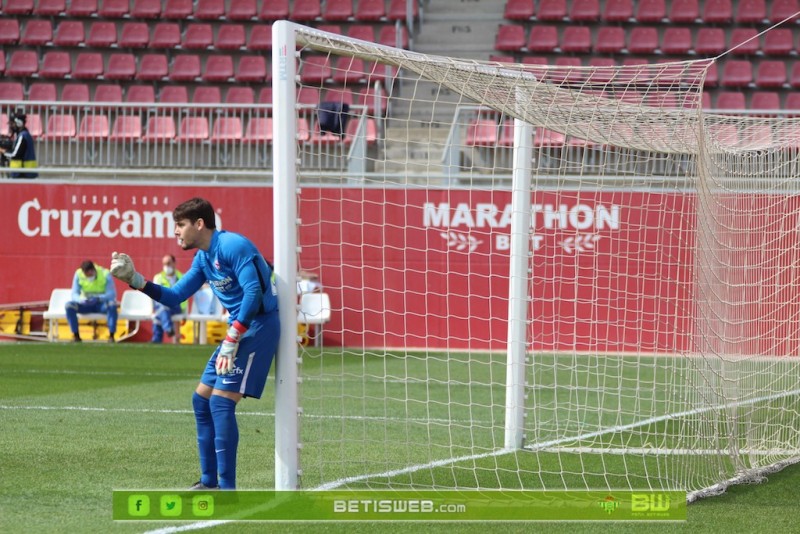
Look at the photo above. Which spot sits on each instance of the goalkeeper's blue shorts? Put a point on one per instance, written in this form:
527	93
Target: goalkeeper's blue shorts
254	357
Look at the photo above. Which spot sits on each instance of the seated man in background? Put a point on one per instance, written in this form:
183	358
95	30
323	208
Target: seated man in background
93	291
162	316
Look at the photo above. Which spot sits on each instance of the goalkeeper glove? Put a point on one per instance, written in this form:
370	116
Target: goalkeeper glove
227	351
122	268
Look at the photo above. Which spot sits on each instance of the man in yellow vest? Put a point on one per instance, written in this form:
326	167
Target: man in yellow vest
162	317
93	291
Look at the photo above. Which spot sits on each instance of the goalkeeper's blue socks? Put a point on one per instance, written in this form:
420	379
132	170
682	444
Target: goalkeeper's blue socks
205	440
226	439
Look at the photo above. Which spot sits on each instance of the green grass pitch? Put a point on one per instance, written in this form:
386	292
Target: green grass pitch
77	421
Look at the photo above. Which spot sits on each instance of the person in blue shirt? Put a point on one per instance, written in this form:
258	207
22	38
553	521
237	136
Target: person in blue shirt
243	282
22	153
93	291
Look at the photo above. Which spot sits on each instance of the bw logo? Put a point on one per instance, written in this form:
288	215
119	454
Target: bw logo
649	502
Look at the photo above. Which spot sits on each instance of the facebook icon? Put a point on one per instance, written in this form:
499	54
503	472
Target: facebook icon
138	505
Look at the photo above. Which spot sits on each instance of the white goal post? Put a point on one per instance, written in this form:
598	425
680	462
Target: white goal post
540	277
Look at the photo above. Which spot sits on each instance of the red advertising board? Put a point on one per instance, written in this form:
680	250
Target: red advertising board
404	267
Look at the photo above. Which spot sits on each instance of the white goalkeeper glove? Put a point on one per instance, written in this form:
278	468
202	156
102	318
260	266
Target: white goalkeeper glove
227	352
122	269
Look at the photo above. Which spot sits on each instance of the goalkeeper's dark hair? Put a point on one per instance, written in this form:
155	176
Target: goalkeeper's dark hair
194	209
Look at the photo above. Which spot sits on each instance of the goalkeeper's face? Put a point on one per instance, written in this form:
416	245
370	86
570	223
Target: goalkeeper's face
188	234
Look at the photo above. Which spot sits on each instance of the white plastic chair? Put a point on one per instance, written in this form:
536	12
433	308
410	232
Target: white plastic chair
56	310
135	307
315	309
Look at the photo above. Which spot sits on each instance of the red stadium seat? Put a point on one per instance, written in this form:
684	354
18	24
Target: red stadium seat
388	35
604	71
717	11
348	71
41	92
140	94
710	42
259	131
398	9
69	33
766	100
60	127
371	10
364	32
9	31
209	9
576	40
218	69
570	71
108	93
535	60
684	11
198	36
307	96
518	9
240	95
747	38
771	73
651	11
146	9
552	10
610	40
207	94
93	128
676	41
152	67
226	130
252	69
338	10
185	68
177	9
102	35
737	73
792	102
315	70
193	130
274	10
375	101
546	138
134	35
510	38
482	132
712	76
50	8
2	62
166	35
260	38
617	11
75	92
82	8
584	11
37	32
121	67
56	64
306	10
22	64
265	95
751	12
728	100
18	7
173	94
12	91
340	96
159	129
242	10
127	128
543	38
230	37
781	10
114	9
778	42
794	76
88	66
643	40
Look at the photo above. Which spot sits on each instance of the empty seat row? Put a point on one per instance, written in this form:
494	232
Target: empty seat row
653	11
151	67
646	40
195	36
241	10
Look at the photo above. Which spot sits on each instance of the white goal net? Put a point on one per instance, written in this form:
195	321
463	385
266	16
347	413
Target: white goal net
539	277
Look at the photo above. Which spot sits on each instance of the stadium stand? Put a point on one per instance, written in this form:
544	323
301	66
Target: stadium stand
177	9
82	8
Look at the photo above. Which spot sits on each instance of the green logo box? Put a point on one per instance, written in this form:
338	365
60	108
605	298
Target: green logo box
405	505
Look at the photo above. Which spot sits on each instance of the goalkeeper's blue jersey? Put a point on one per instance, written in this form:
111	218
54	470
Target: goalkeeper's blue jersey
238	275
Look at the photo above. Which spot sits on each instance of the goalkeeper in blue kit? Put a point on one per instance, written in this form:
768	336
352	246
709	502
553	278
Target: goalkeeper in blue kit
242	280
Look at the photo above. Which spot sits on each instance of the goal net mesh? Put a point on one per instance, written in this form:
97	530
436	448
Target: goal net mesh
661	309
